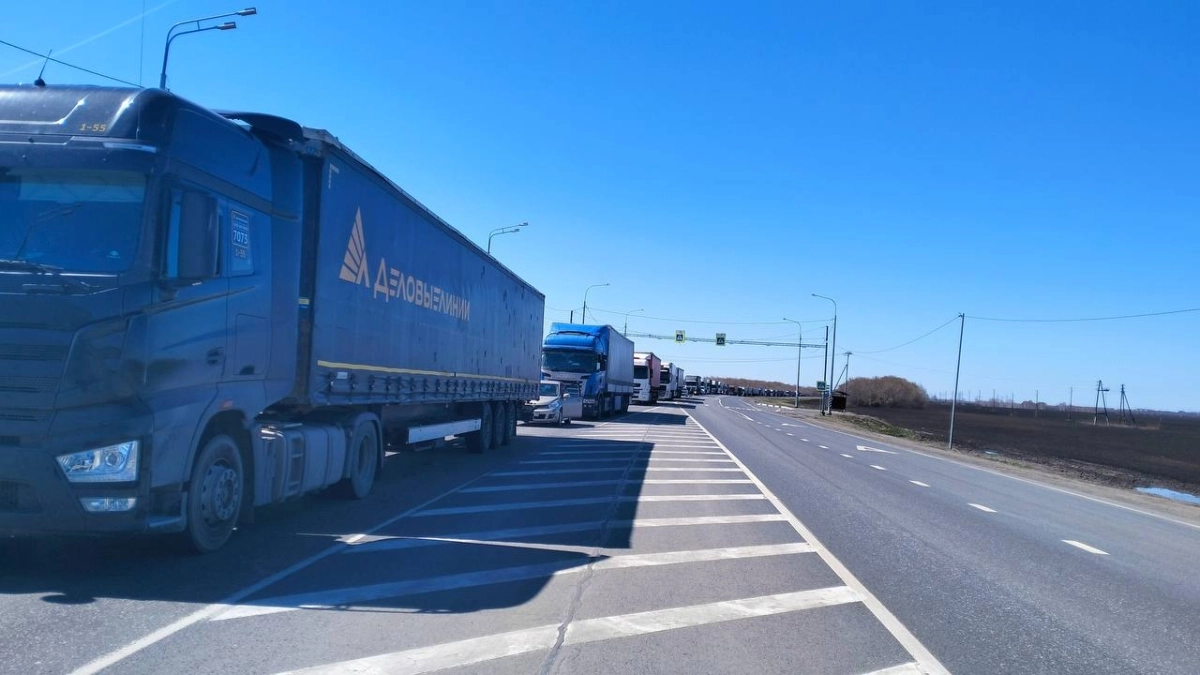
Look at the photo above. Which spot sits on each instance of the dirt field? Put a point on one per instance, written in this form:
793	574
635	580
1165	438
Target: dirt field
1162	450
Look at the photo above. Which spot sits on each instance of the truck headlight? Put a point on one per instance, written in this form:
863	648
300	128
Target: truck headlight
112	464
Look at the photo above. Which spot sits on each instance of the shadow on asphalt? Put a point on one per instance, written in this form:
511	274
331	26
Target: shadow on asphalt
69	571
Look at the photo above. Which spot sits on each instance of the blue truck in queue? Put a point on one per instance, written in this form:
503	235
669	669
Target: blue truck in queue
596	359
202	313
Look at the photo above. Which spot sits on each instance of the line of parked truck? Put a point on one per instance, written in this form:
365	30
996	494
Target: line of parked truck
203	313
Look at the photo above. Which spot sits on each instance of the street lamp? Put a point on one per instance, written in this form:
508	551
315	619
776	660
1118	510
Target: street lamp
833	352
799	352
635	311
585	292
513	229
171	34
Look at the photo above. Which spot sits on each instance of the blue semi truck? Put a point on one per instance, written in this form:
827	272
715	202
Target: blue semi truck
596	359
202	313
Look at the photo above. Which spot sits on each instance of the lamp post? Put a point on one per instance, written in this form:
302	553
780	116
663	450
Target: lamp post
626	328
512	229
171	34
585	292
799	352
833	352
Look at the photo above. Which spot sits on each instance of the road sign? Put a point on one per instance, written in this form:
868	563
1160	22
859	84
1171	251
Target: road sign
679	336
820	385
720	339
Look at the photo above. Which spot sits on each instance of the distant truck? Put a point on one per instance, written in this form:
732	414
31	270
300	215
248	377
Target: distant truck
691	385
670	385
646	367
204	313
598	359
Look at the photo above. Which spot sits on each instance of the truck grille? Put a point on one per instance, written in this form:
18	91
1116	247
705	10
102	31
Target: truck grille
16	384
16	497
33	352
24	415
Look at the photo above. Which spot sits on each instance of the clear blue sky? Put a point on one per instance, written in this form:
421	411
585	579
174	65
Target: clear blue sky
716	163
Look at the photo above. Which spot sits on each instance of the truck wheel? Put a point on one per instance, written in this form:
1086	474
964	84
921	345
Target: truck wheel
481	441
363	455
510	422
499	422
215	494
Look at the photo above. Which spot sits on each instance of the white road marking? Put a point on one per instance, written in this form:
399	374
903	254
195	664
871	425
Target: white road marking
1085	547
390	543
183	623
981	507
488	648
695	498
902	669
576	460
512	506
922	655
687	468
348	597
541	486
847	456
917	482
805	440
867	448
790	434
823	447
876	466
698	481
553	472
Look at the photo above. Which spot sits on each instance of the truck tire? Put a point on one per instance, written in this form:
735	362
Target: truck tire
214	499
363	454
481	441
510	422
499	423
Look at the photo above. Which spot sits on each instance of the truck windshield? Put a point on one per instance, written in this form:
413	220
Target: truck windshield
641	373
77	220
569	362
665	376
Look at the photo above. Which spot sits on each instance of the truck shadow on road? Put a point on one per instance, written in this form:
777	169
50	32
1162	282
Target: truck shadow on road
543	508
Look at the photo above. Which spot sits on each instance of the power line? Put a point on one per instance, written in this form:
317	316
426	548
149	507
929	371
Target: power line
880	351
69	65
712	322
1098	318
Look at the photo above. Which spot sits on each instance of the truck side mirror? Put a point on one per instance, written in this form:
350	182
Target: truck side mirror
193	252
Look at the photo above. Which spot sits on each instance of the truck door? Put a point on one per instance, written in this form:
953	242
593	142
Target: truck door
245	232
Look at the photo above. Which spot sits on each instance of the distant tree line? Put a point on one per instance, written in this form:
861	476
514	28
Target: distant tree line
888	391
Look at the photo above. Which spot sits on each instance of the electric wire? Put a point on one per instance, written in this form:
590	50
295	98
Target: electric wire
1097	318
69	65
922	337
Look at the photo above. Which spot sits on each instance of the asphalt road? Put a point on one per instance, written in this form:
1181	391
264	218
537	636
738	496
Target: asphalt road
644	544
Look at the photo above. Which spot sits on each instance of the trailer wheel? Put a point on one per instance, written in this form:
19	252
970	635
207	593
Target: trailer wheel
499	420
363	455
481	441
215	494
510	422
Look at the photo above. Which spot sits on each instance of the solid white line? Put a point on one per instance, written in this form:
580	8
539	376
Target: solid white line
696	481
920	653
114	657
552	472
917	482
876	466
491	647
697	520
541	486
355	595
576	460
695	498
1081	545
688	468
847	456
981	507
902	669
511	506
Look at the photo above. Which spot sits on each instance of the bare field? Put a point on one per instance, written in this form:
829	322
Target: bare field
1164	449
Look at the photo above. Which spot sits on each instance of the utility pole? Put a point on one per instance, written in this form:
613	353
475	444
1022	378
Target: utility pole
962	325
1125	407
825	368
1100	397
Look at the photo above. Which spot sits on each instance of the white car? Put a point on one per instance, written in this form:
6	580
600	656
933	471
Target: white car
554	405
